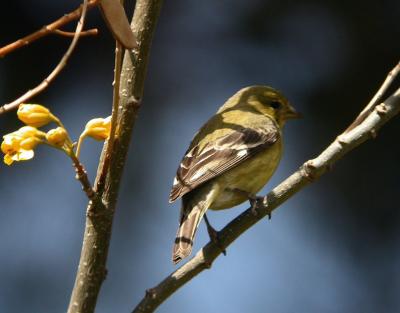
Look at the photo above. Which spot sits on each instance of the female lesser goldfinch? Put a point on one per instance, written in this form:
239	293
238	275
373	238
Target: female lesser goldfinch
230	159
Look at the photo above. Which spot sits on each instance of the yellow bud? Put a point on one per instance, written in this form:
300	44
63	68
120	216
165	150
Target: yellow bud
57	136
29	143
34	115
98	128
27	131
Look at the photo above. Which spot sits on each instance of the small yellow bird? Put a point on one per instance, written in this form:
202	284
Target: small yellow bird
230	159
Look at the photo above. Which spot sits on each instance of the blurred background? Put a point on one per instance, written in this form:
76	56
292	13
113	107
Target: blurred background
334	247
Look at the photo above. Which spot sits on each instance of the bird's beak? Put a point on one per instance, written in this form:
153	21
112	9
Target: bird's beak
291	113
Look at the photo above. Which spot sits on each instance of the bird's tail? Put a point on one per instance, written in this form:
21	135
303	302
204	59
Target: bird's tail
191	215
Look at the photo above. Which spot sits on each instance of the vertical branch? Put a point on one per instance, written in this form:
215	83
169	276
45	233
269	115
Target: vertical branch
105	157
92	264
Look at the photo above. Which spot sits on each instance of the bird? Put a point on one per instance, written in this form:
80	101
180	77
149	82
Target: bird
229	160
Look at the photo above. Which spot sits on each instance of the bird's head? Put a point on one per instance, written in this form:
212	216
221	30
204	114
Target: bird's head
267	101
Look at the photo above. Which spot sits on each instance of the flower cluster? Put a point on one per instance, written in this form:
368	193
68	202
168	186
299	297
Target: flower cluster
20	145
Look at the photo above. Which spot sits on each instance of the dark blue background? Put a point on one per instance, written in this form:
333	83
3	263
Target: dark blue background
333	248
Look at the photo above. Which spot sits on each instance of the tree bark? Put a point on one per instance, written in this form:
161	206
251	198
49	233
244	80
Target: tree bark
100	212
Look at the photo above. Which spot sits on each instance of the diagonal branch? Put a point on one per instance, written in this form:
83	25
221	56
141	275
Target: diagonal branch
83	178
307	173
376	98
63	62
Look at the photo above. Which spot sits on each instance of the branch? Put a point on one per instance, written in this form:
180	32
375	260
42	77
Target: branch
89	32
46	30
308	173
92	263
376	98
81	175
105	158
63	62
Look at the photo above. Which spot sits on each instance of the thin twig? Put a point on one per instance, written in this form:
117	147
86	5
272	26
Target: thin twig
89	32
114	116
63	62
376	98
308	173
46	30
81	175
92	264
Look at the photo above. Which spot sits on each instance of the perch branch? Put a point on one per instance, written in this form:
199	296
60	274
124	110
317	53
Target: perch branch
46	30
92	264
307	173
63	62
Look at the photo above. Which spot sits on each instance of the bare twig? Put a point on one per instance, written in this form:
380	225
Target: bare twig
92	263
114	117
308	172
89	32
63	62
376	98
81	175
46	30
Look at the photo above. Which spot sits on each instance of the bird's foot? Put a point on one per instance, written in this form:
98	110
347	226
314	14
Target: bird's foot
214	235
257	202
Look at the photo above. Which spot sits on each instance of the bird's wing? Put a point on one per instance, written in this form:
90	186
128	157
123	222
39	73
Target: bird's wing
219	156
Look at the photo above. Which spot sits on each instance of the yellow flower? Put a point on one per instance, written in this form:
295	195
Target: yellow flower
34	115
98	128
57	136
19	145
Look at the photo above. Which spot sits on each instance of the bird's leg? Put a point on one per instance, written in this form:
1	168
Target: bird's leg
255	201
214	235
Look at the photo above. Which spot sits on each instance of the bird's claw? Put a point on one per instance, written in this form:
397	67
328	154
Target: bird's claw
255	203
214	235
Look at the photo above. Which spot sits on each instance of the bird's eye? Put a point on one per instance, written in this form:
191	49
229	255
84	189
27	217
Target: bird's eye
275	105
